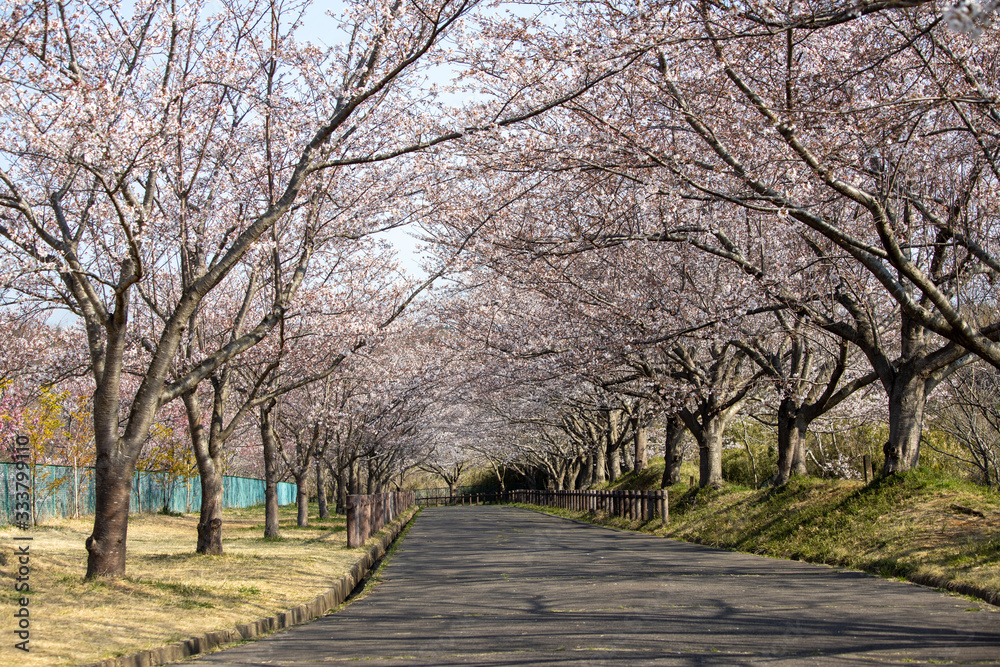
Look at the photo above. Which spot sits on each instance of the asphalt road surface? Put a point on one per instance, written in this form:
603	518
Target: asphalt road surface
505	586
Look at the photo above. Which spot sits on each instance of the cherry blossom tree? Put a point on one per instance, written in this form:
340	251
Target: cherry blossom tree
125	122
864	149
807	383
850	176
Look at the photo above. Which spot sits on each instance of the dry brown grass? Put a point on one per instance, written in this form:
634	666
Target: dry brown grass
169	593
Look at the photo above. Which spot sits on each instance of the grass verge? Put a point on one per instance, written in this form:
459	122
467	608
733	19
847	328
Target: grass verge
918	526
170	593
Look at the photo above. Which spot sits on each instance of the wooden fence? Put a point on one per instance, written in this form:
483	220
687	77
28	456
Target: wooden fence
635	505
366	514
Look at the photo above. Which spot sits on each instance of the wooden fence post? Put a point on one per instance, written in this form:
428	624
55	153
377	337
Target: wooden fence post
366	518
353	521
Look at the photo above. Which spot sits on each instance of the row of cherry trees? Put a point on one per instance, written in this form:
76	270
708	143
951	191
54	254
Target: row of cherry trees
178	175
358	429
677	211
780	211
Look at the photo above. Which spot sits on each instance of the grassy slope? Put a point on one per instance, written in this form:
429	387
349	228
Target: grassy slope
919	526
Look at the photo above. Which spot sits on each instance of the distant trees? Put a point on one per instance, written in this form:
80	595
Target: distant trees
968	411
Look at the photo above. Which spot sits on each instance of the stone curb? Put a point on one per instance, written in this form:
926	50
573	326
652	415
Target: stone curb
303	613
931	581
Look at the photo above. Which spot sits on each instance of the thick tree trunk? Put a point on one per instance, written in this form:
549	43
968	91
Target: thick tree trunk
113	492
791	442
353	483
708	429
302	499
342	483
786	440
271	525
587	476
614	450
673	429
792	429
116	456
907	401
559	478
573	474
640	440
614	463
324	511
210	519
210	470
708	426
600	465
370	479
799	458
710	454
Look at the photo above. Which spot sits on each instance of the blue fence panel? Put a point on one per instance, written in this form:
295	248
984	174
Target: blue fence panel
287	493
54	496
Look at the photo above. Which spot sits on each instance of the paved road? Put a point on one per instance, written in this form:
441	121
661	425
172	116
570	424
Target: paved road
503	586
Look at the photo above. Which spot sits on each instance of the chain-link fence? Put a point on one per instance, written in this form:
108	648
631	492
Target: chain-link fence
61	491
